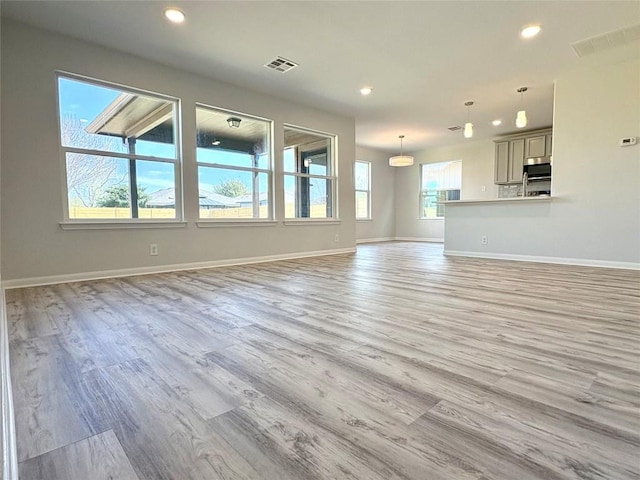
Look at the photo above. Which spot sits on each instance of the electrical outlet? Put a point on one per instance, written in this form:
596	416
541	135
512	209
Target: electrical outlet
153	249
484	188
336	238
484	240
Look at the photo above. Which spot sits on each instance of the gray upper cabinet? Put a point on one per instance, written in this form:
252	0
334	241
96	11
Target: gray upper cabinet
535	146
511	153
548	145
502	162
516	160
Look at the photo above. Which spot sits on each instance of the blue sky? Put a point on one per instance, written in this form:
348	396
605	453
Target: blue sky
83	102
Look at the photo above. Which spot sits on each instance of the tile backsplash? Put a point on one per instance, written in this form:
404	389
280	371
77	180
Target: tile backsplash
510	191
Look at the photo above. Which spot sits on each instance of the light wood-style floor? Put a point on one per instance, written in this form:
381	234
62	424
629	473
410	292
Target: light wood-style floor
393	363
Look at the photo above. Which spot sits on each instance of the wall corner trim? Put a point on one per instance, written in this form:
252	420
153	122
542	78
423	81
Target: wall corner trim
128	272
583	262
9	450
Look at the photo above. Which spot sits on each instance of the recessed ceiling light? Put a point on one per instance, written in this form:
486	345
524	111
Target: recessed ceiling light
496	123
174	15
366	91
530	31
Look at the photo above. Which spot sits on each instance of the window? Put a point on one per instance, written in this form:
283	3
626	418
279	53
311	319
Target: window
440	182
363	189
120	151
234	165
309	179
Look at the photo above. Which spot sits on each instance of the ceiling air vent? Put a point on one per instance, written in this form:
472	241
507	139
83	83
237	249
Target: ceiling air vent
607	41
455	128
281	64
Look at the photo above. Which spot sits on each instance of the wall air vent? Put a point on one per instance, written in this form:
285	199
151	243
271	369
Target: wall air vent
455	128
607	41
281	64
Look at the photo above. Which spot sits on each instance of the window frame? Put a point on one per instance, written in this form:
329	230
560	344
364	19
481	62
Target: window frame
332	152
367	191
271	217
177	162
423	192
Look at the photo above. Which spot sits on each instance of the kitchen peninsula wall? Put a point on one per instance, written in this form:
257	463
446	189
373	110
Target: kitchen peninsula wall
593	217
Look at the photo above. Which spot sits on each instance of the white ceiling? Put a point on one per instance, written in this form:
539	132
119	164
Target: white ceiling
423	58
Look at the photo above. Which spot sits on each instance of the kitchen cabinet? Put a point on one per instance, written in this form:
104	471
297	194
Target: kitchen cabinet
512	151
535	146
548	145
509	160
502	162
516	160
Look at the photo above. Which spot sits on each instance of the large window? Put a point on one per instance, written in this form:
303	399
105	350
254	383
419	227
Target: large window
120	150
234	165
363	190
310	179
439	182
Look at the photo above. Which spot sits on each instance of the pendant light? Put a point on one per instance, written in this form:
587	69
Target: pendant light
521	117
468	127
401	160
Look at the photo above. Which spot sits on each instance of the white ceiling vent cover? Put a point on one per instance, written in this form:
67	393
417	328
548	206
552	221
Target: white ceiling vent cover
281	64
607	41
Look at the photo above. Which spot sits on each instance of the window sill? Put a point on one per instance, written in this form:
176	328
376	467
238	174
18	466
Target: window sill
364	220
114	225
312	221
435	218
235	223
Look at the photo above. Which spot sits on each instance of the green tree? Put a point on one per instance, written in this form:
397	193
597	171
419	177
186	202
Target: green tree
231	188
118	196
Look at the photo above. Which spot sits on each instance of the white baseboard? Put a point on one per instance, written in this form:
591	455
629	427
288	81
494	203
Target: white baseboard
375	240
9	447
128	272
584	262
420	239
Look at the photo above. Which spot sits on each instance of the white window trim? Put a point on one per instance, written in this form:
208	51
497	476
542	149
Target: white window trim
421	191
96	224
333	151
122	224
233	221
369	216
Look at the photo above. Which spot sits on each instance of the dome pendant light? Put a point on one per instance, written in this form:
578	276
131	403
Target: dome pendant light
401	160
521	117
468	127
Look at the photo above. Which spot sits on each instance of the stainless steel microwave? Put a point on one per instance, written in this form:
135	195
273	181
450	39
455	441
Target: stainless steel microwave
540	171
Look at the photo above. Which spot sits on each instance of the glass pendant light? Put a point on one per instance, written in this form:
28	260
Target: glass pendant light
468	127
521	117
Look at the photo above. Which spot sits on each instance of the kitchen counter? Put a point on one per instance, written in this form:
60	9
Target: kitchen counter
540	198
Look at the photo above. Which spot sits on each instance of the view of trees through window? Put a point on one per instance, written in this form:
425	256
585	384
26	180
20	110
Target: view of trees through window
234	165
363	189
119	151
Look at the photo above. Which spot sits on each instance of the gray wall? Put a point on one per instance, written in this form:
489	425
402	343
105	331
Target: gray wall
34	245
382	224
477	171
595	218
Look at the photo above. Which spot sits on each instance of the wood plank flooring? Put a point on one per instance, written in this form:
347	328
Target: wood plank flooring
393	363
